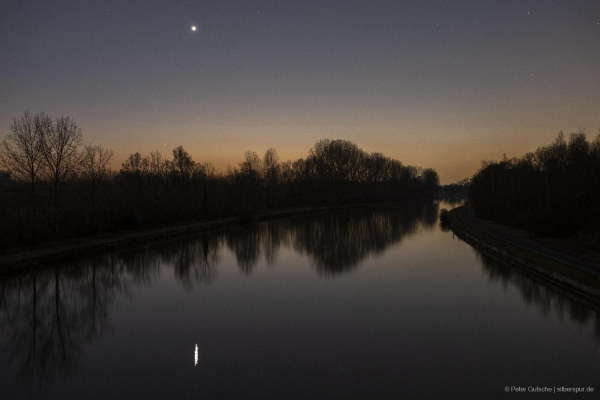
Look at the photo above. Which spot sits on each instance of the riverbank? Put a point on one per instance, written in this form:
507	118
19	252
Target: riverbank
32	257
566	271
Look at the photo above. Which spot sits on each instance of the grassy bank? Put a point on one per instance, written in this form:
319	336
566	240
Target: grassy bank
53	253
581	282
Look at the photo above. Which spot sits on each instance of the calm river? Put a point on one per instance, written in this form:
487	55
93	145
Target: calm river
370	303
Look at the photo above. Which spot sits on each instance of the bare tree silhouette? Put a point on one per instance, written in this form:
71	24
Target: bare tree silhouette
83	196
21	155
551	192
95	172
61	159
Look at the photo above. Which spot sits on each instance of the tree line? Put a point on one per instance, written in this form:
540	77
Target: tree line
456	190
53	185
554	191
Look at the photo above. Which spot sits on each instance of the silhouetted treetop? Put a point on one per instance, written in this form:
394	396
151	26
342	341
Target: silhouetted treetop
72	184
552	191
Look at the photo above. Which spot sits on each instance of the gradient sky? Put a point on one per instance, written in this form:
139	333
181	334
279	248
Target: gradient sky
440	84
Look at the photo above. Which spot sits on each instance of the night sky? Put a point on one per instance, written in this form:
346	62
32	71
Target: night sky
440	84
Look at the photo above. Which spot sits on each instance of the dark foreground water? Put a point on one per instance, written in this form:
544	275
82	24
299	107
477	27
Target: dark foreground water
372	303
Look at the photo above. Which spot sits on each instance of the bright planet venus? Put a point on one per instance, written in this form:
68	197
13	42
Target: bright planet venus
436	83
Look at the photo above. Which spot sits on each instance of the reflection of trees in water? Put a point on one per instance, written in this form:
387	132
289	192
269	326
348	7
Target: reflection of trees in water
244	243
194	260
453	201
47	316
249	242
538	295
336	242
142	264
430	214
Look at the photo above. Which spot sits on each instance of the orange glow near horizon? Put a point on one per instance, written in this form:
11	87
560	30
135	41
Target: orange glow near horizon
457	154
443	86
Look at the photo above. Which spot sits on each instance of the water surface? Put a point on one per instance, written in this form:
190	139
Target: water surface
364	303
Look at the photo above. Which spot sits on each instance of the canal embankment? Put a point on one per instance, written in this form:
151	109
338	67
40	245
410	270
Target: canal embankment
565	271
53	253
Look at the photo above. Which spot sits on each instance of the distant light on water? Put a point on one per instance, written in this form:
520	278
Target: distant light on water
196	356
